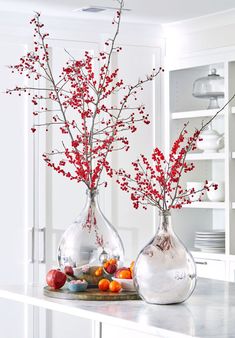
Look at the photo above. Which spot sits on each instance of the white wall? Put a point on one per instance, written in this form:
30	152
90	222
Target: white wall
200	35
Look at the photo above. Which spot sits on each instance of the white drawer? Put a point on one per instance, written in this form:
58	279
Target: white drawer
211	268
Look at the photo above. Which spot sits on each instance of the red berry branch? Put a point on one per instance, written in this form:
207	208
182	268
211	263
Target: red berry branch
157	182
91	128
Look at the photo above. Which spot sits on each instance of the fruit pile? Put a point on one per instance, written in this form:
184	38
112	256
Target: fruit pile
106	285
122	273
109	267
56	278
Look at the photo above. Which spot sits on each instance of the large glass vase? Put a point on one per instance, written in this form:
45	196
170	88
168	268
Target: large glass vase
91	239
165	271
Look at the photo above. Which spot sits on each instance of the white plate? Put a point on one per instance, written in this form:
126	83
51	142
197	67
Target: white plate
210	239
210	233
127	284
210	236
213	250
216	245
203	248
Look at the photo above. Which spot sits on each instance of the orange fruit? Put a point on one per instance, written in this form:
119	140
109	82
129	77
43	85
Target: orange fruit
103	284
132	268
114	286
113	261
99	272
125	274
106	264
132	264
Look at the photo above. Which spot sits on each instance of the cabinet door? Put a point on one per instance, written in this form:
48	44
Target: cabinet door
136	227
59	202
13	192
209	268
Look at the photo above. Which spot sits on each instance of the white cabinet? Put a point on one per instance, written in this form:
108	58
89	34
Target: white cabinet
13	195
136	227
117	332
211	268
182	107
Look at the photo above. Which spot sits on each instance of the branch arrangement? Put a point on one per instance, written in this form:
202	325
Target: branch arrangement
91	127
157	182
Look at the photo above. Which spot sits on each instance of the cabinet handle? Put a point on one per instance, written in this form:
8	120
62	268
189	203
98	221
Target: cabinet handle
43	231
32	230
201	263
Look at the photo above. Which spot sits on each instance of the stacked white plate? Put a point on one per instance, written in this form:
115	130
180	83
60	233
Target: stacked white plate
210	241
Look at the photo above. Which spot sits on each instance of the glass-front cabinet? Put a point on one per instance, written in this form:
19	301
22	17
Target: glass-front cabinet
196	89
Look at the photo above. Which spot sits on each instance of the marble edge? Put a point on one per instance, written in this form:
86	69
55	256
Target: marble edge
57	305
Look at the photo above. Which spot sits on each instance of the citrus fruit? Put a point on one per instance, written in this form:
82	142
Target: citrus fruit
132	268
103	284
114	286
124	274
99	272
106	264
113	261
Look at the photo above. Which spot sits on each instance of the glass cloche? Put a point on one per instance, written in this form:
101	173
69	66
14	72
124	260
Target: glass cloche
209	87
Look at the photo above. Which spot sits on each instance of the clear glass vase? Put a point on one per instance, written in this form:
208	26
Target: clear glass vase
165	271
91	239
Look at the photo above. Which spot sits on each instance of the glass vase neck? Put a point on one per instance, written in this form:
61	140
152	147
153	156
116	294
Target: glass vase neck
165	221
92	194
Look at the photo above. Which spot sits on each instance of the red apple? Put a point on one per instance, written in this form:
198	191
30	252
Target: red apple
111	268
68	270
56	279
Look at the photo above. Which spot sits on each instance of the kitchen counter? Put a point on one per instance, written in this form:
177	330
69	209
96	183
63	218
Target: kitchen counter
209	312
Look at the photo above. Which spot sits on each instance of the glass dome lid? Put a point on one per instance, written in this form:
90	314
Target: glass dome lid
209	87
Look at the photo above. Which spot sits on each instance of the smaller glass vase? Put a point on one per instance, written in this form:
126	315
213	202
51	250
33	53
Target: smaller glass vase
90	240
165	271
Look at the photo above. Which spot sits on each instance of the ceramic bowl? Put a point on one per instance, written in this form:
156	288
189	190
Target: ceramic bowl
127	284
77	287
217	195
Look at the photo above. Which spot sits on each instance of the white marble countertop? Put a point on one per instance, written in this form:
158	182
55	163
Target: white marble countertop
209	312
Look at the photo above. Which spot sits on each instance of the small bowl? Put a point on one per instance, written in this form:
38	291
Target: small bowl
77	287
127	284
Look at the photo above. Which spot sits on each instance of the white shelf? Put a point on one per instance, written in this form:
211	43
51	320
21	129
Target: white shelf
195	113
181	107
205	156
206	205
